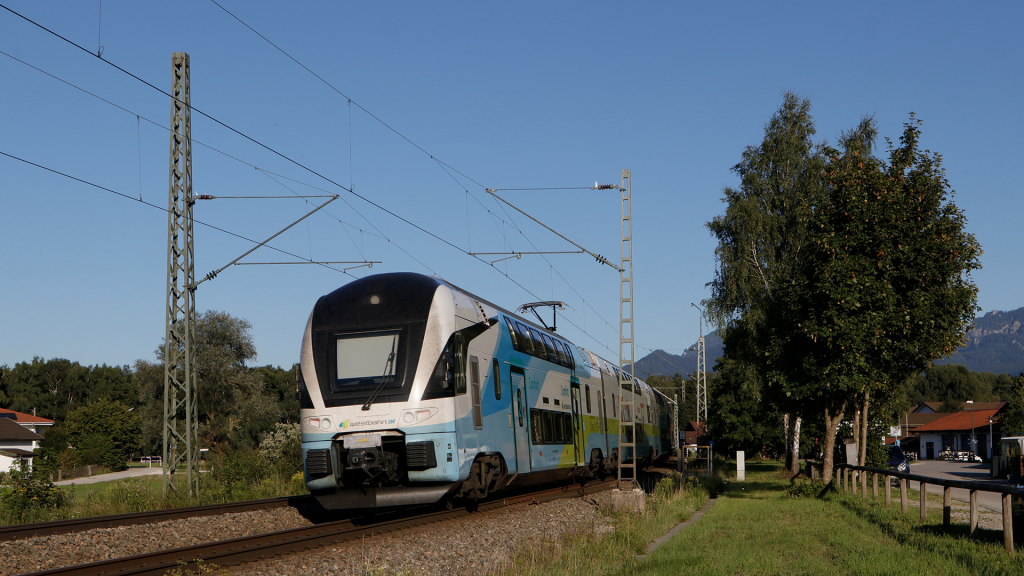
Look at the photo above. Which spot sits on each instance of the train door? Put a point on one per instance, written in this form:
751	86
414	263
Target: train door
579	442
604	417
520	419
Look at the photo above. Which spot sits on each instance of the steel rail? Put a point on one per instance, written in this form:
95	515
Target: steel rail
22	531
262	546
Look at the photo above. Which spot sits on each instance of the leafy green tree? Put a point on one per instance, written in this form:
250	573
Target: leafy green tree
1013	416
280	384
954	383
884	288
740	417
56	451
760	239
113	383
235	405
52	387
4	371
105	432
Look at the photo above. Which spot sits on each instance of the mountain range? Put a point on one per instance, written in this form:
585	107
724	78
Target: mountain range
995	344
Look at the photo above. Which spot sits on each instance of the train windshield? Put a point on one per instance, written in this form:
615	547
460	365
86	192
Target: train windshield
368	359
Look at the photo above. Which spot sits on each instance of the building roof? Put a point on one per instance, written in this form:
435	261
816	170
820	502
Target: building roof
930	407
11	430
958	421
17	452
921	418
22	418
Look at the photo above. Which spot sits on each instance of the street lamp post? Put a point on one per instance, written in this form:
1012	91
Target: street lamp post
973	448
991	443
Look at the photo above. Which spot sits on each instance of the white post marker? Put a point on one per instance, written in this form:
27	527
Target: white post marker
741	466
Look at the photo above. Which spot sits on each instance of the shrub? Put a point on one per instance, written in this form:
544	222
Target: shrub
282	448
28	496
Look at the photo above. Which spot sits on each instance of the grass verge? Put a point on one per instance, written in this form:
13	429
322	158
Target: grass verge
591	553
145	493
757	527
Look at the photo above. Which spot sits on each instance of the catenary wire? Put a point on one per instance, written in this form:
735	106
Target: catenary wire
162	209
296	163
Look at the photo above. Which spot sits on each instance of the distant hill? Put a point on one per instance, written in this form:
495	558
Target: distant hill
661	362
995	344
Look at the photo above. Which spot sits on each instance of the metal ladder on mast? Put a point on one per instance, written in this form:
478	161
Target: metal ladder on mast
627	473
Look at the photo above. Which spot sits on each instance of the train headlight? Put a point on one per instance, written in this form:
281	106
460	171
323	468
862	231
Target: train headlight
417	415
319	422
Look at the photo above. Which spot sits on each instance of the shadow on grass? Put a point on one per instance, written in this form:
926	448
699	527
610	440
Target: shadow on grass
956	543
751	489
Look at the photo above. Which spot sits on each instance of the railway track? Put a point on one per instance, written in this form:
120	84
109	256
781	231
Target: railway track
20	531
262	546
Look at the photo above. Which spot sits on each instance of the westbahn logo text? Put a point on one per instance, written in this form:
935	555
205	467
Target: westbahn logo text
350	424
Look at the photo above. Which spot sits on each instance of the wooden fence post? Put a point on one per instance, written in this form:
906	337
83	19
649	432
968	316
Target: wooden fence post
874	486
863	483
1007	524
842	479
947	498
924	500
974	512
888	490
903	494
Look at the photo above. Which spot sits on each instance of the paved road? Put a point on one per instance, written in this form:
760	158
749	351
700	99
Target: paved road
975	472
129	473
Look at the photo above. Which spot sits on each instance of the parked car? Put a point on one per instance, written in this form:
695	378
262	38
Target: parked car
898	460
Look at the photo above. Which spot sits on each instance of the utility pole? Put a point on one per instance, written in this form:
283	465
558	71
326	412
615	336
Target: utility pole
702	387
627	411
181	407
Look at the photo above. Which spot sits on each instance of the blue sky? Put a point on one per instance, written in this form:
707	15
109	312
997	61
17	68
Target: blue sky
519	95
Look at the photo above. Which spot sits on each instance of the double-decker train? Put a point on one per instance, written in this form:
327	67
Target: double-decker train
413	391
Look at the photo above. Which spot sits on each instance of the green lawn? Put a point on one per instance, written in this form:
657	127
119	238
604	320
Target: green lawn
757	528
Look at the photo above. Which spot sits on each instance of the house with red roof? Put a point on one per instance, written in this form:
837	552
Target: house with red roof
954	432
36	424
17	445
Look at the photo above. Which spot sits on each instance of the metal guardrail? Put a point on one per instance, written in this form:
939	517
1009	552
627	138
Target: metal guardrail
851	476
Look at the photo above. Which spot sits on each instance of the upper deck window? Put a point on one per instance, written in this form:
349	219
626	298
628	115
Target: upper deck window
368	359
524	338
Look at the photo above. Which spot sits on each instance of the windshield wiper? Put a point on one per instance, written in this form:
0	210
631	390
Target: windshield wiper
389	365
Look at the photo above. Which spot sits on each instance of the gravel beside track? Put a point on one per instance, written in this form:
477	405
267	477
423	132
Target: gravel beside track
477	544
42	553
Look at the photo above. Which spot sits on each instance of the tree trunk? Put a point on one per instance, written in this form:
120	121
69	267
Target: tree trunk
856	428
785	438
829	444
864	427
794	467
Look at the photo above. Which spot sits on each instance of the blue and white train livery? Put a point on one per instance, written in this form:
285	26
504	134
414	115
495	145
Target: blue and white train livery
413	391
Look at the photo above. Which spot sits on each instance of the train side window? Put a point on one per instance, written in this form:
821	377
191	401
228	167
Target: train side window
549	425
523	336
512	335
588	399
549	349
474	373
538	344
569	428
496	368
560	350
558	428
536	426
